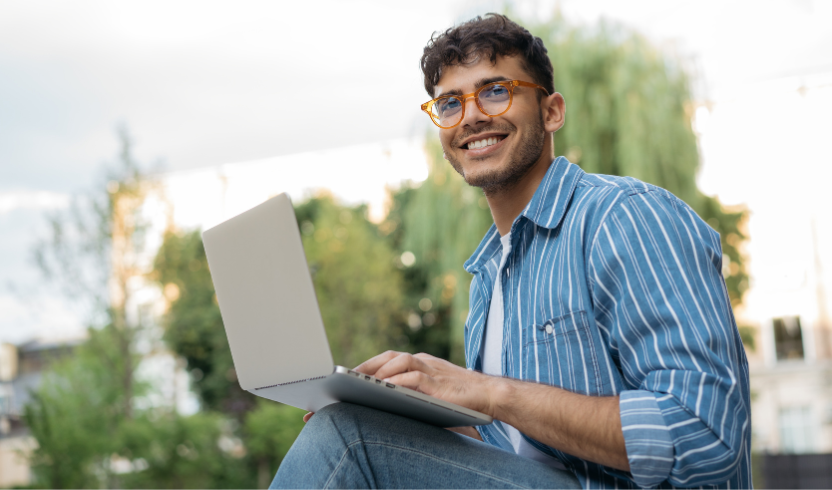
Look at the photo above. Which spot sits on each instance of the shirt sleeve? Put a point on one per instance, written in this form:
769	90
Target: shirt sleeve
655	274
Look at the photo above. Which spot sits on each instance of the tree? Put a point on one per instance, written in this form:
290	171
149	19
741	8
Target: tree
270	429
90	415
356	280
77	414
169	450
92	252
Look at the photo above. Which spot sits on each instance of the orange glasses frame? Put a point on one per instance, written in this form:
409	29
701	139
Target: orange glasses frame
509	84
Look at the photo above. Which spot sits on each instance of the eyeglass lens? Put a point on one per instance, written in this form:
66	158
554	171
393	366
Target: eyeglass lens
493	99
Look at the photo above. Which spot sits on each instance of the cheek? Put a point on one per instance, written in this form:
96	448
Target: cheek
446	137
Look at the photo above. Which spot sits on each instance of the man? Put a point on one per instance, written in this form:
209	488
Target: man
600	335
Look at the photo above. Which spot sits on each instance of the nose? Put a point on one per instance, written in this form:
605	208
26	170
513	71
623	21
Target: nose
473	115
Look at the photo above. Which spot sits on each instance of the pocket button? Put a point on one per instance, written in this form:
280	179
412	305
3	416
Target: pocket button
549	329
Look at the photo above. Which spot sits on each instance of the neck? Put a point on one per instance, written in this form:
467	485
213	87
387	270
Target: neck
506	204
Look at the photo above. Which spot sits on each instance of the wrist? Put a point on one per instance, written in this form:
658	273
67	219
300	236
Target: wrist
499	394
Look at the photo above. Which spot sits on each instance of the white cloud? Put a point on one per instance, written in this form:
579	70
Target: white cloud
42	316
10	201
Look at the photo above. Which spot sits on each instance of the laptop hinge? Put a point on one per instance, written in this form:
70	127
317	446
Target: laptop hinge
291	382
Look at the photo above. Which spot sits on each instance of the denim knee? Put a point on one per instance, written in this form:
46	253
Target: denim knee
341	418
340	409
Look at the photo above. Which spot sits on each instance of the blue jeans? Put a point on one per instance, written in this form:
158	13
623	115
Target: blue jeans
350	446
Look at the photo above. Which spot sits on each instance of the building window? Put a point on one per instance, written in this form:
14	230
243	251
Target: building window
788	338
5	400
796	430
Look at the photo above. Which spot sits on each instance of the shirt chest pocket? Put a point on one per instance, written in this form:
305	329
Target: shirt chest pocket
560	352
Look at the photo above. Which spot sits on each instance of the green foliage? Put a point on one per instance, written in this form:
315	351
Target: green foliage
84	414
356	281
84	434
626	107
747	336
79	411
270	430
78	414
197	451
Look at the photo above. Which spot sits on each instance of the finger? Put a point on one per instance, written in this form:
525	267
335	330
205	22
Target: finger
370	366
415	380
402	364
307	417
428	359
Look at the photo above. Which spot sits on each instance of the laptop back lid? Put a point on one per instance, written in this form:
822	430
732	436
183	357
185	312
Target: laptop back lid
266	296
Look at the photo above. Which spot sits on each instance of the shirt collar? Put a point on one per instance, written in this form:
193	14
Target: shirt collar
546	208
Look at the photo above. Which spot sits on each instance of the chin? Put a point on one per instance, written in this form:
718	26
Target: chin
493	176
478	168
493	182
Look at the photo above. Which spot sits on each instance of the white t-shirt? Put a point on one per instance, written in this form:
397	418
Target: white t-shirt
492	359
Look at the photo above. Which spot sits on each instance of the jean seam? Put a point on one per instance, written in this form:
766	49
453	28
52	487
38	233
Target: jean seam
338	466
428	455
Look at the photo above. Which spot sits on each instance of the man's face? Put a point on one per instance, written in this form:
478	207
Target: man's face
514	141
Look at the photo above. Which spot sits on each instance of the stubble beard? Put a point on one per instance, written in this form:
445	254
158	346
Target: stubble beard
528	151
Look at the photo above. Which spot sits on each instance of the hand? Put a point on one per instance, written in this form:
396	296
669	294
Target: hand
434	377
307	417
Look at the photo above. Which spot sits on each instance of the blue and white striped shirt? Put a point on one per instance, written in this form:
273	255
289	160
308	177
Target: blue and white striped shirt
613	287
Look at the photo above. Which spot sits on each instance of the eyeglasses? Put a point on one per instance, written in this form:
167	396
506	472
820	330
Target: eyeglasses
493	99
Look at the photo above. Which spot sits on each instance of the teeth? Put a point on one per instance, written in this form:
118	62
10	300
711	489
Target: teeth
482	143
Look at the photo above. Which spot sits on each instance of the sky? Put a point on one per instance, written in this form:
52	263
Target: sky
200	84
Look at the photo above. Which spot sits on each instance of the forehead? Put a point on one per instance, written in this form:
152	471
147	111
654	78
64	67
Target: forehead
464	77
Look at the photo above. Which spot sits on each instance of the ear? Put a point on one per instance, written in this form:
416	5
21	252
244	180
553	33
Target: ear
553	108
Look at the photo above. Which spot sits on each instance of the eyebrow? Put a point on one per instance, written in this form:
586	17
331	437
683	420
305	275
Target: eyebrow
479	83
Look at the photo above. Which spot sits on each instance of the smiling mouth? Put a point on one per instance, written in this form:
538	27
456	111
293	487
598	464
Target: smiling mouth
483	142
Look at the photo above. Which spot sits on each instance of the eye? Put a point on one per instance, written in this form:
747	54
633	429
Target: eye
447	106
494	92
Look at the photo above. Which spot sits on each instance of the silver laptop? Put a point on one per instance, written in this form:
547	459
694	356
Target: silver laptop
274	326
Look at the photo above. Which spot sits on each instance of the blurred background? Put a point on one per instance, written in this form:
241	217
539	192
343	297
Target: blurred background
126	128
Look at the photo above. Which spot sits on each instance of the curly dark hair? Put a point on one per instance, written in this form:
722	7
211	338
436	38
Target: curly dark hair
492	36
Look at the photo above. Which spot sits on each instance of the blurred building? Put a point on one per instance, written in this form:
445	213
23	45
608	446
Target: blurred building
791	370
21	369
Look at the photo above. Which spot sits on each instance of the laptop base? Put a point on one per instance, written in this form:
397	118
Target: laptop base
345	385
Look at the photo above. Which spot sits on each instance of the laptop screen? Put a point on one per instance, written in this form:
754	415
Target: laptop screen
266	296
